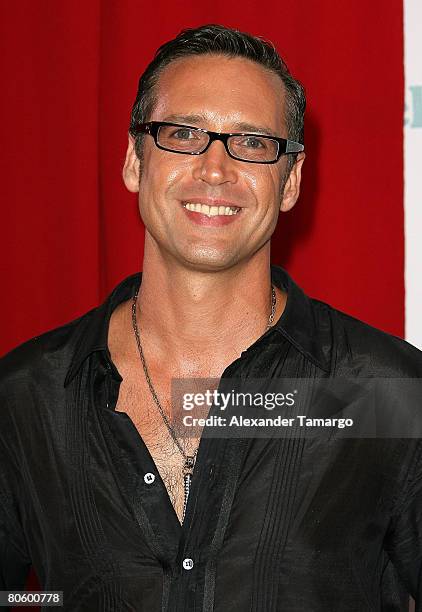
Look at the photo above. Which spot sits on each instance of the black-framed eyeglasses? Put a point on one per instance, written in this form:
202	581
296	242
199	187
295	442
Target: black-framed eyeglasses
188	140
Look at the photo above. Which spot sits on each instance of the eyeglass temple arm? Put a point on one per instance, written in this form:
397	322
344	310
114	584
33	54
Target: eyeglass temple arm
294	147
141	128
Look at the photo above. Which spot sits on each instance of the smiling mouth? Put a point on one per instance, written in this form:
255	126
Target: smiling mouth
211	211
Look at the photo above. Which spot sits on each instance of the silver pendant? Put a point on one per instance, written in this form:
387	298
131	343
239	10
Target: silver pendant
187	480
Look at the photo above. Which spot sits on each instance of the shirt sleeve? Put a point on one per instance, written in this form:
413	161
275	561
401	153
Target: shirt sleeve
14	559
14	562
404	543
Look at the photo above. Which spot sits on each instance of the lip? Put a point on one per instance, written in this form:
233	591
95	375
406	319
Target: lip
206	221
211	202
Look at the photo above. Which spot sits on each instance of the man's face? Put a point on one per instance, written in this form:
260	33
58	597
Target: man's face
223	95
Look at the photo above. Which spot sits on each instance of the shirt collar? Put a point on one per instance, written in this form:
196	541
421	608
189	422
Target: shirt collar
93	334
298	323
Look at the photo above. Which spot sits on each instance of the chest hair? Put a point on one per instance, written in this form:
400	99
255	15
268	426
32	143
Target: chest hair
137	403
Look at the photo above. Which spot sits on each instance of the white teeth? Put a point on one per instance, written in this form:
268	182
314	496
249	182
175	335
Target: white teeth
211	211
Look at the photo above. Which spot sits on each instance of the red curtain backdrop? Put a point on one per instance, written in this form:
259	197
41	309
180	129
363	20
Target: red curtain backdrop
70	231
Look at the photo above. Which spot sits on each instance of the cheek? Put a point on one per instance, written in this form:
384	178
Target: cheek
265	185
159	188
163	172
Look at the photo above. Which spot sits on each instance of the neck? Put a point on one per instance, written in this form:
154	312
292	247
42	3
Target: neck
198	316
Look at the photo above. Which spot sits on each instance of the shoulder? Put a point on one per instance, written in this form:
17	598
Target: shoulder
44	357
32	388
361	349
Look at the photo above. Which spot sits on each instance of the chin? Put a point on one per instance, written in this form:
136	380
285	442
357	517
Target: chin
208	260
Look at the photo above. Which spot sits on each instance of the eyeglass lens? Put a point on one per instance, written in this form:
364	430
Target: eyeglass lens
249	147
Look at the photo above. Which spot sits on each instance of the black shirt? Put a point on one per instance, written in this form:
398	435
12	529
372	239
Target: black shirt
277	524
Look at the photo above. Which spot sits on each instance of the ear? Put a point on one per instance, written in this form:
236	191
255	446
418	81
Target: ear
292	187
131	167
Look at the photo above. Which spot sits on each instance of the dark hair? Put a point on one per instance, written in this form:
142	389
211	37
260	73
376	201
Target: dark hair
219	40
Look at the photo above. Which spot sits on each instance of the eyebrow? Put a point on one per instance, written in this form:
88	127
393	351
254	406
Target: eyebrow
196	120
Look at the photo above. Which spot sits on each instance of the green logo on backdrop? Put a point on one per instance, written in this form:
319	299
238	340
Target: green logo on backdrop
413	110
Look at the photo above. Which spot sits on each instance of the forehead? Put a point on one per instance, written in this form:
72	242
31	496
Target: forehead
221	92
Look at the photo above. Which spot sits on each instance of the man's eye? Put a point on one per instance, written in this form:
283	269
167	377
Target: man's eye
184	134
254	143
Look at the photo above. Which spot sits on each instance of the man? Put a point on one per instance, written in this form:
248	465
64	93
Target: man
100	491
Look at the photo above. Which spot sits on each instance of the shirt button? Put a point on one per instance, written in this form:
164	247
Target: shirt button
149	478
187	564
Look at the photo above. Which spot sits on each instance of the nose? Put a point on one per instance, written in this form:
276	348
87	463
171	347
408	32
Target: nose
215	166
